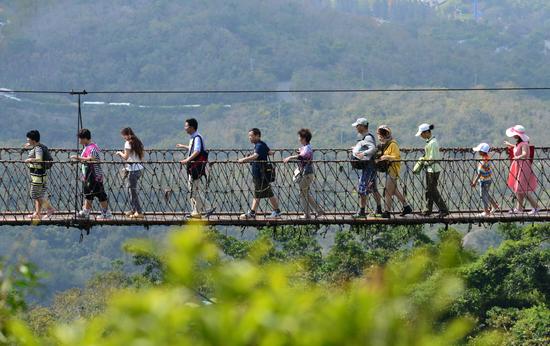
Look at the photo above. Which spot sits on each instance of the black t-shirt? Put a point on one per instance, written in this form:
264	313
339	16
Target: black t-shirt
262	150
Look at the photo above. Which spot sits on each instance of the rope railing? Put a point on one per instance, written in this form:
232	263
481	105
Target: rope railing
164	193
220	154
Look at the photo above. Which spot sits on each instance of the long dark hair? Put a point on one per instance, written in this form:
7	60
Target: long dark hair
135	144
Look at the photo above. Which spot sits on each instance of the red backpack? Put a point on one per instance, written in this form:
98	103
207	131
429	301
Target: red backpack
197	167
510	151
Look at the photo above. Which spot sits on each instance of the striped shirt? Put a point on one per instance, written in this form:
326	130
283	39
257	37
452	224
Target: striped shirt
485	171
38	173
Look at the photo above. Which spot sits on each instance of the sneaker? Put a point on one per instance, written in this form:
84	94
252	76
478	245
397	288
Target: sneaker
320	213
386	215
426	213
248	215
483	214
406	210
34	216
194	216
515	211
534	211
137	215
443	214
50	212
210	212
106	216
129	213
305	217
359	215
275	214
83	214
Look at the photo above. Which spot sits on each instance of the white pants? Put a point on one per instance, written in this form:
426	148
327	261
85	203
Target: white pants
197	191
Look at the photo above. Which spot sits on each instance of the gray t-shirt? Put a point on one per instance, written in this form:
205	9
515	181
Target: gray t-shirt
367	146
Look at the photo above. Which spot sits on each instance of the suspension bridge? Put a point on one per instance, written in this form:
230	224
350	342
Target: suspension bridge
164	194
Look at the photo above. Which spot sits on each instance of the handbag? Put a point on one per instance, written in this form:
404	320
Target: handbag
298	175
382	165
123	173
269	172
357	163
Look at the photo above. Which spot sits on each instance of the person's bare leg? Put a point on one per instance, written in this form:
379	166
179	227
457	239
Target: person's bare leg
274	202
87	204
104	205
400	196
532	200
363	201
255	204
390	190
377	198
519	202
37	208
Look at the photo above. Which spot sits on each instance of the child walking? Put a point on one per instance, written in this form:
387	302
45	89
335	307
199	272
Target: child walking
484	177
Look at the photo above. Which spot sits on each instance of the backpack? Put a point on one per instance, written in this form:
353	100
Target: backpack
197	167
510	151
269	172
361	164
382	165
46	157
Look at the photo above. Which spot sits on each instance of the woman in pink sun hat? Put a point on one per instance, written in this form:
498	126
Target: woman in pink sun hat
521	179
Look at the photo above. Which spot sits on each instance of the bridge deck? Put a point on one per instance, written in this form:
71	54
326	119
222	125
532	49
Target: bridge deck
151	219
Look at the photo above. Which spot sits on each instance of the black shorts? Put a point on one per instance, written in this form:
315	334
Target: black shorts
94	189
262	188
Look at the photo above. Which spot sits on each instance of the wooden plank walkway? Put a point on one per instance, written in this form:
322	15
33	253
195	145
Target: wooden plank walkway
67	219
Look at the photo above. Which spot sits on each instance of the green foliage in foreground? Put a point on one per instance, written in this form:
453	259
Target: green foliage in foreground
376	285
269	303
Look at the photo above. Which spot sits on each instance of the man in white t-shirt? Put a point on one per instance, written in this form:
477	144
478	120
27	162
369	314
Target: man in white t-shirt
196	161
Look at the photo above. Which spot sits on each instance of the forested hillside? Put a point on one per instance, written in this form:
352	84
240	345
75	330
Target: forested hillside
166	45
110	45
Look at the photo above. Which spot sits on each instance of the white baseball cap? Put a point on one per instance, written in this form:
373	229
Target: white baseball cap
361	121
483	147
422	128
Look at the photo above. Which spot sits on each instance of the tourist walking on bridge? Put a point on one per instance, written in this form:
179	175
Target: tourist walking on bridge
92	176
196	162
38	165
304	175
262	176
484	176
389	162
521	179
364	151
133	155
430	162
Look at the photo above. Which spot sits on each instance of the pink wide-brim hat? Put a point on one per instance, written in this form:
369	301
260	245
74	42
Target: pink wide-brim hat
517	130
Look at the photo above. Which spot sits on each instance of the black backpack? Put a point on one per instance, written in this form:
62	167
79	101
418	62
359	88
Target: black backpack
361	164
46	157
